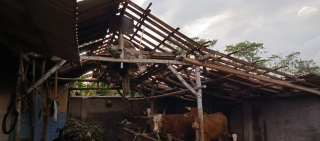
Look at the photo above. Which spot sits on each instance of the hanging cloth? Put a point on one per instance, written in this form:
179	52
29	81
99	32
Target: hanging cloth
37	107
55	113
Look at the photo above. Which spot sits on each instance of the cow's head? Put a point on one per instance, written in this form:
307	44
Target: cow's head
157	121
193	113
146	112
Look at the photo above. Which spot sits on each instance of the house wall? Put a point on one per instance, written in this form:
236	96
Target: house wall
7	85
294	119
94	110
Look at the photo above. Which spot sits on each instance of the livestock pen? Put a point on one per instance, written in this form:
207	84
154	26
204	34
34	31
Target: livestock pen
130	52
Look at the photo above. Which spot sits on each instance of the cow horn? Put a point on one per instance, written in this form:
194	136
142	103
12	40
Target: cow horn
188	108
164	111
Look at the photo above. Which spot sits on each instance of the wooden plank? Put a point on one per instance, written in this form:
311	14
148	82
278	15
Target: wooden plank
92	88
76	79
156	61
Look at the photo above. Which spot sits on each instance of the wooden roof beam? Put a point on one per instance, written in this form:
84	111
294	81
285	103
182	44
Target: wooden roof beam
237	72
110	59
169	28
160	27
163	41
142	19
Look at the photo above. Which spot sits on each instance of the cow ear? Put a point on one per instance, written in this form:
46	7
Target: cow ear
144	111
204	113
188	108
155	111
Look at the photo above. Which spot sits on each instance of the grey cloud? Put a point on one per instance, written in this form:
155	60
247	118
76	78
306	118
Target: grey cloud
274	23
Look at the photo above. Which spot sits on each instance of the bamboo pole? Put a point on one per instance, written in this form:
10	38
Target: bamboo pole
92	88
76	79
18	102
199	103
45	76
56	84
42	71
237	72
182	80
169	94
153	93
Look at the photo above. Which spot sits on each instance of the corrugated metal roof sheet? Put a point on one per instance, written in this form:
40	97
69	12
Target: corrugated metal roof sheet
92	19
54	23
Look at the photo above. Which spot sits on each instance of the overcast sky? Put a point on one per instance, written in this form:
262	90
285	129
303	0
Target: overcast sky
281	25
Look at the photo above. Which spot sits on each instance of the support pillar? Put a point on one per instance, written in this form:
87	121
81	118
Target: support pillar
199	103
121	46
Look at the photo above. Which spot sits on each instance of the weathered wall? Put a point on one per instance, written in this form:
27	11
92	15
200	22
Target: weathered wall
6	87
8	78
294	119
94	110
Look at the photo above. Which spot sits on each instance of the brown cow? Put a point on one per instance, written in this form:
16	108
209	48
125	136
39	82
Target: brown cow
177	125
214	125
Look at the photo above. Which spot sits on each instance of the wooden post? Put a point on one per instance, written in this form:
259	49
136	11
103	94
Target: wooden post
34	91
152	101
121	46
169	137
18	102
199	102
56	84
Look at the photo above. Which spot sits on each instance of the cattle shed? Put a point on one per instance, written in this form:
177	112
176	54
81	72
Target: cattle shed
47	45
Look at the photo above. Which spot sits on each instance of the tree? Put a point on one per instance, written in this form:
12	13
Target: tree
293	64
247	51
286	62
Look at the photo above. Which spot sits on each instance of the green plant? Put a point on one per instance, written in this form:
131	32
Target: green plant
91	131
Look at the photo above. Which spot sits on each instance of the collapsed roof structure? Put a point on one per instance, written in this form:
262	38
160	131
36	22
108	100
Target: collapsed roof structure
131	48
89	31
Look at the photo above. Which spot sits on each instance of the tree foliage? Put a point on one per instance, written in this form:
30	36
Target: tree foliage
94	85
293	64
286	62
247	51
